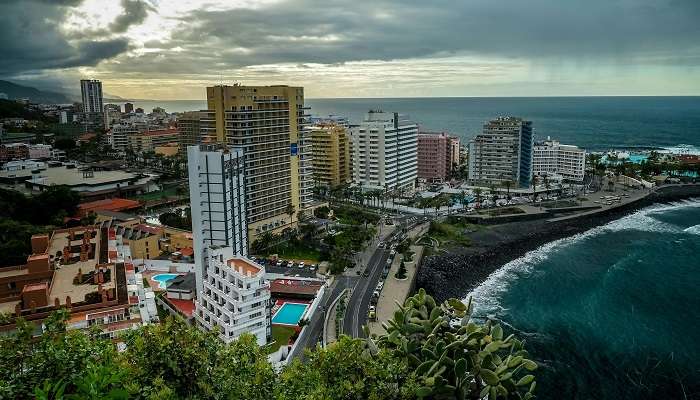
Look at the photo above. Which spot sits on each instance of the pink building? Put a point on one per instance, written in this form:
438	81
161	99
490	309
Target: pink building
437	154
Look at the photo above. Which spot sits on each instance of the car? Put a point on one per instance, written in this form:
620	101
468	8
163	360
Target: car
366	273
375	294
279	263
371	315
372	308
380	286
301	264
380	245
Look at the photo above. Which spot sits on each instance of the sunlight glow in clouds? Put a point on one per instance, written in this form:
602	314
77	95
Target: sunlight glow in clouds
171	49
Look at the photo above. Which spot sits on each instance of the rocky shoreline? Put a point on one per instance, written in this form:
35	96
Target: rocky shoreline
457	272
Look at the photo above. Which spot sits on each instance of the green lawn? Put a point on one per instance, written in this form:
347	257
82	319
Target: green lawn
451	232
157	195
280	336
295	253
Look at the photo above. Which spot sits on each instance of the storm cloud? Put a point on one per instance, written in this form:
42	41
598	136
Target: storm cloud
290	39
32	39
318	31
135	12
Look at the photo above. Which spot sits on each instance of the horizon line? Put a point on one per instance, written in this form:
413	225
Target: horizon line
439	97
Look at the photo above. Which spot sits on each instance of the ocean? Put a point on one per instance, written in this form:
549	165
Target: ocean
612	313
594	123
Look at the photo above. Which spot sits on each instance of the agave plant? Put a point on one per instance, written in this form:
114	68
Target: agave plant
453	356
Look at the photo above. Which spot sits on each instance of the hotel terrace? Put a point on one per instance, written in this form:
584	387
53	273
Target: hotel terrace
85	270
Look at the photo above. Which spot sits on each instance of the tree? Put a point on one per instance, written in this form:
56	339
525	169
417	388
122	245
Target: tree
289	210
478	194
347	369
401	273
462	361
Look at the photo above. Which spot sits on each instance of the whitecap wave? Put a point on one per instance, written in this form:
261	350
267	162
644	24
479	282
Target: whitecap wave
486	296
694	230
681	149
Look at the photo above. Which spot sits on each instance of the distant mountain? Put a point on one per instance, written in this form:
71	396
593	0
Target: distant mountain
15	91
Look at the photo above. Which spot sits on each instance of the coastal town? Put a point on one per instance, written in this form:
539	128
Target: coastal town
258	217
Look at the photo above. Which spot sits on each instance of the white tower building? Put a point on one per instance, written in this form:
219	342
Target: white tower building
384	152
231	291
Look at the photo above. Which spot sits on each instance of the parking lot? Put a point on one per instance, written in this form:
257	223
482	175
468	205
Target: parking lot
288	268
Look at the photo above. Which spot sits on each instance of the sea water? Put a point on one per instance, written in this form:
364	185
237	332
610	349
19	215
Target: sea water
612	313
595	123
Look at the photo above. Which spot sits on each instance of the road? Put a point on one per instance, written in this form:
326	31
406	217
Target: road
356	314
314	330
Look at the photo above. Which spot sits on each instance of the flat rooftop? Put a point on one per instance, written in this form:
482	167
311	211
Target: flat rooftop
62	284
71	176
244	267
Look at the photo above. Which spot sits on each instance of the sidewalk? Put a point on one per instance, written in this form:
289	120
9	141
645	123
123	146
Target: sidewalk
395	289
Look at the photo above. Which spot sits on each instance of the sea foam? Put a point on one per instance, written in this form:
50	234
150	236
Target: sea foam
486	296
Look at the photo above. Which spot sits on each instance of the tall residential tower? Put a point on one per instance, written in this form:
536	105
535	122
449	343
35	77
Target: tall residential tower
502	152
265	122
231	291
384	152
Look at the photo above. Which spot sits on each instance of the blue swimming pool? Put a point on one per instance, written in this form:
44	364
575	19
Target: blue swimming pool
162	279
289	313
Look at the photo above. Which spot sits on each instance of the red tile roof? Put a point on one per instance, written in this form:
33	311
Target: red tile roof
186	307
187	251
295	286
116	204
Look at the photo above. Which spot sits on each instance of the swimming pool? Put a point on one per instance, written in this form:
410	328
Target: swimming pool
163	278
289	313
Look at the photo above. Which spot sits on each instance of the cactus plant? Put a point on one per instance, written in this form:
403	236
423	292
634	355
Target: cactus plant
453	356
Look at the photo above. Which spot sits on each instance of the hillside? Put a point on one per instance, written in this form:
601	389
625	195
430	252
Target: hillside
15	91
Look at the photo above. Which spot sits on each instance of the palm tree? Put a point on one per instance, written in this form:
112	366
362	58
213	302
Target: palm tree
463	199
535	181
547	185
289	210
507	184
477	193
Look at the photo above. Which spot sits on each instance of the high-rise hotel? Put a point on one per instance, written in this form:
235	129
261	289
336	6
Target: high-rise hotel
231	291
93	113
502	152
384	148
266	122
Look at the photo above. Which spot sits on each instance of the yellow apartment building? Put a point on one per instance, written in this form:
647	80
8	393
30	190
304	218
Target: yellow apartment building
331	154
267	123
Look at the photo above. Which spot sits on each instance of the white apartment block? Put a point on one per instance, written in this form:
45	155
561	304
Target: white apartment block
40	151
559	161
385	152
234	297
217	199
231	291
91	91
502	152
118	136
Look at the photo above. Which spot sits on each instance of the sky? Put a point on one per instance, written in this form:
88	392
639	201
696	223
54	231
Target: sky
173	49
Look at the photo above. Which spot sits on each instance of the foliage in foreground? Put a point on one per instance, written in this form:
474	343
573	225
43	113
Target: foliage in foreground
424	355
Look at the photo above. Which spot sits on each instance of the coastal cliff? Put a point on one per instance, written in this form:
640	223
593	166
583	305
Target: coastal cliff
456	273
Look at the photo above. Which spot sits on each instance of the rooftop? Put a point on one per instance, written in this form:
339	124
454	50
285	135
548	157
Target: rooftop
115	204
72	176
243	266
295	286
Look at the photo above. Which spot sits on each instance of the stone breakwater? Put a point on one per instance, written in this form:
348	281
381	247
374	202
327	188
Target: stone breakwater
456	273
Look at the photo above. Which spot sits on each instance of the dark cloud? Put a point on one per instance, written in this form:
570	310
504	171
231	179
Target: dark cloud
32	39
330	31
135	12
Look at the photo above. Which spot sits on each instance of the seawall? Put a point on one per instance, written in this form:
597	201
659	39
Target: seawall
457	272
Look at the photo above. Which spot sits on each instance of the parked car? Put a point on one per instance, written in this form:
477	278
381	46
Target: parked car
366	273
301	264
